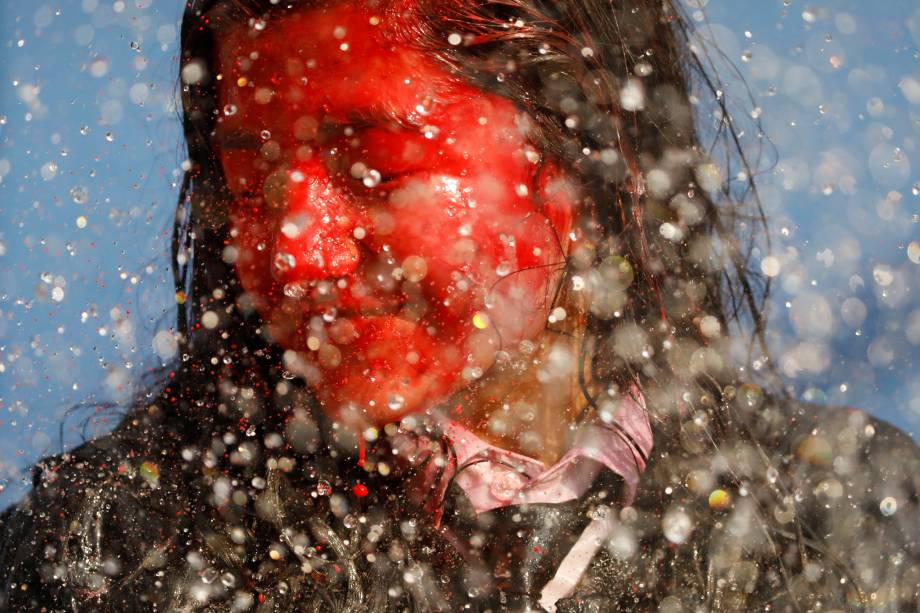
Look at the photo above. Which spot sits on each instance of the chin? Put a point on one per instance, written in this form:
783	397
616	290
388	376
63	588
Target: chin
382	399
392	368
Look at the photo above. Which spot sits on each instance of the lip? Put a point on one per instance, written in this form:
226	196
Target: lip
344	301
347	306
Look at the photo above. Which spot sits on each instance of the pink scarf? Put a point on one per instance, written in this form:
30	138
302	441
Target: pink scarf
492	477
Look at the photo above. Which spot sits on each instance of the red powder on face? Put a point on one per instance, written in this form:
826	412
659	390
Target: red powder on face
394	227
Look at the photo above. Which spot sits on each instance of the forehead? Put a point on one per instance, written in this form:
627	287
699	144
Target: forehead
336	61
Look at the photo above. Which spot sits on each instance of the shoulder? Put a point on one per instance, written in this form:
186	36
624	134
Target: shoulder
854	482
846	501
840	502
844	460
794	506
103	512
849	440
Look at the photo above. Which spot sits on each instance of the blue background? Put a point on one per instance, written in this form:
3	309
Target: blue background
90	155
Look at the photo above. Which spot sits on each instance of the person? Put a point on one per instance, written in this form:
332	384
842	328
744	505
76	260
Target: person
456	300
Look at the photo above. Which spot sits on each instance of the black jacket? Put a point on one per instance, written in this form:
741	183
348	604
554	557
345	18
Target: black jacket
799	509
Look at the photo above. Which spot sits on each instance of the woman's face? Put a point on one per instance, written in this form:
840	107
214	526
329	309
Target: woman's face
392	225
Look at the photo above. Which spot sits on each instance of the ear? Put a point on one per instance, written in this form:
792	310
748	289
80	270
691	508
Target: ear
559	198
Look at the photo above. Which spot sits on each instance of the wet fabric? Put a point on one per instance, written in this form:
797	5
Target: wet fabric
492	477
804	508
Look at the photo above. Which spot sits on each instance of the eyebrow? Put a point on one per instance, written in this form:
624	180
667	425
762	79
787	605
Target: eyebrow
240	139
377	115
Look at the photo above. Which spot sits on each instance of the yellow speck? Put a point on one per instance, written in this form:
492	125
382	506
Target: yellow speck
481	320
180	297
719	500
375	20
815	450
242	82
220	77
150	472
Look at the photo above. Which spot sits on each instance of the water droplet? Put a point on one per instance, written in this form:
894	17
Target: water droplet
913	252
883	275
209	575
770	266
49	171
676	526
414	268
84	130
265	134
505	484
371	178
79	194
284	262
503	269
396	402
888	506
109	137
632	96
228	579
230	110
292	227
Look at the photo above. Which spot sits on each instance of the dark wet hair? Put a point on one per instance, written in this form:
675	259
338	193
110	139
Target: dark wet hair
668	252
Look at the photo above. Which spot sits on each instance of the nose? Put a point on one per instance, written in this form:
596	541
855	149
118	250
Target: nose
316	237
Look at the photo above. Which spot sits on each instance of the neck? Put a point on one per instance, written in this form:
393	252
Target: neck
529	404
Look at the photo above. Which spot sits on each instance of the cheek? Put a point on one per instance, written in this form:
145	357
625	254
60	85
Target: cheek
253	269
521	288
523	260
484	246
241	169
251	240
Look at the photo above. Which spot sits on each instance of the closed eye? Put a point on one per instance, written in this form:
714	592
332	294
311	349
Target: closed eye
382	181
